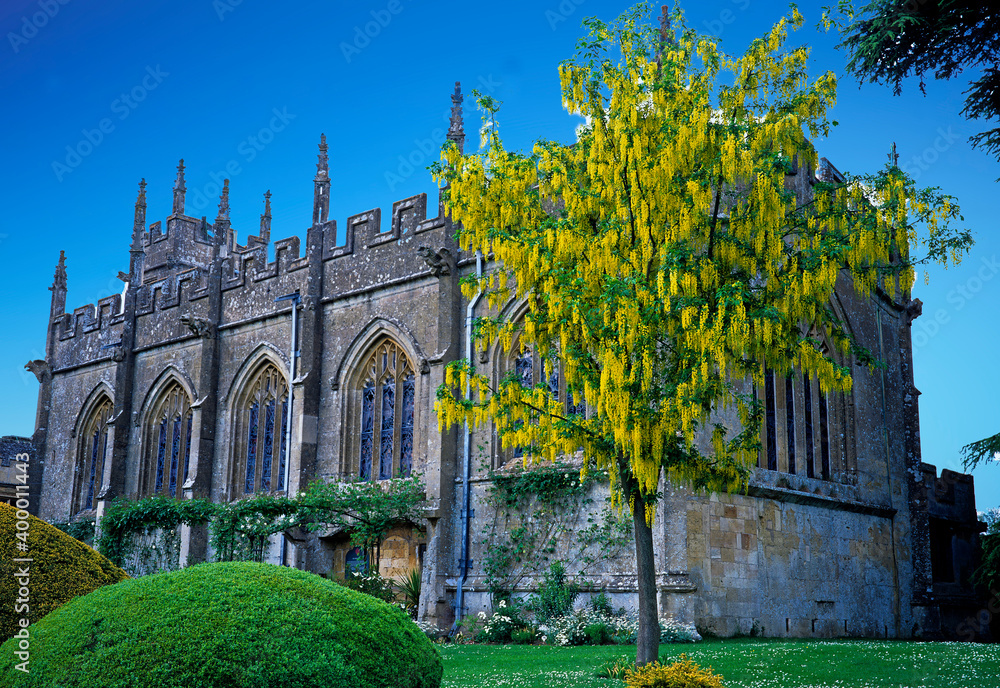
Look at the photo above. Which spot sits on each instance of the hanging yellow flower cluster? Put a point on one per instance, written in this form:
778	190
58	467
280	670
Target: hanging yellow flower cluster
664	256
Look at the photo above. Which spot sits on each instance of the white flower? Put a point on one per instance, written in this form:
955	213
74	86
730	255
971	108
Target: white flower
482	615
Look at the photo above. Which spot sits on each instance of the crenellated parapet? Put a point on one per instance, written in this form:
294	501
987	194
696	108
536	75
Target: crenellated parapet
178	263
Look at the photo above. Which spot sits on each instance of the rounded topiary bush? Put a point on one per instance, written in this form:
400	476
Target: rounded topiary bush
60	569
235	624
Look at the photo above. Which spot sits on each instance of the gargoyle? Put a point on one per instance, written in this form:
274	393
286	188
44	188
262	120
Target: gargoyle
437	260
39	368
202	327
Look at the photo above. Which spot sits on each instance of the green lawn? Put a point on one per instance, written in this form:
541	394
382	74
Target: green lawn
743	663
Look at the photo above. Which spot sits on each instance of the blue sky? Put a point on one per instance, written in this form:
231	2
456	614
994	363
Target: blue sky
100	94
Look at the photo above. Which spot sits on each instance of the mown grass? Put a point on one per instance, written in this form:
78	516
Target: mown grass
743	663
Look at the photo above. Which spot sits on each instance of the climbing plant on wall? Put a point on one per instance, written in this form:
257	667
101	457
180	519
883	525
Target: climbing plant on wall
144	536
534	519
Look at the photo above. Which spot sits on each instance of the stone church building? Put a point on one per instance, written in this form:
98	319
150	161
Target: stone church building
190	384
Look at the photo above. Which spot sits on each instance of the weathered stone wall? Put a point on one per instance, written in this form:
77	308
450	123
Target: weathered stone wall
843	553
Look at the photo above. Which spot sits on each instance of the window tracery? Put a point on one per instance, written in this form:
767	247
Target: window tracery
168	433
93	452
804	431
260	429
387	399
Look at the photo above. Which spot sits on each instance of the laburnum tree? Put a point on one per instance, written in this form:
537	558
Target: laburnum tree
664	262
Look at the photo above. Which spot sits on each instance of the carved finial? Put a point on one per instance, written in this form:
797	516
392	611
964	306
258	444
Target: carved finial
321	185
265	219
223	215
59	281
322	164
179	190
58	288
456	129
139	225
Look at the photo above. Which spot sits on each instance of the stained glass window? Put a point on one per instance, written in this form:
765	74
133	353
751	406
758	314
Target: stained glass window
550	373
187	447
262	449
161	452
523	368
770	419
169	441
175	451
824	437
807	392
93	472
367	430
790	423
406	433
265	469
385	440
252	447
810	424
389	409
284	441
92	452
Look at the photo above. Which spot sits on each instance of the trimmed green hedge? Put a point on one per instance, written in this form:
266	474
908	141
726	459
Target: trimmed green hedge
234	624
61	568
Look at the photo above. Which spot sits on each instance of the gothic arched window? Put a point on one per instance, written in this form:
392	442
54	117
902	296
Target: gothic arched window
805	431
260	428
93	451
168	439
387	397
531	369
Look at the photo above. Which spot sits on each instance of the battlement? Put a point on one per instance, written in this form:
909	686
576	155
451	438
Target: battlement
173	260
951	496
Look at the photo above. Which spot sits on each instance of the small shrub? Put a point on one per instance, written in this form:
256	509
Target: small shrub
682	674
555	595
602	605
61	568
500	627
524	636
599	634
226	625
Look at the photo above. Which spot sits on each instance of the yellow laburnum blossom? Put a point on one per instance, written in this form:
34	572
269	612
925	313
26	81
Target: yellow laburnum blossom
662	258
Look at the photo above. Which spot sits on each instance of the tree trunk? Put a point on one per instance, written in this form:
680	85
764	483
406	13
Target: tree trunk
648	639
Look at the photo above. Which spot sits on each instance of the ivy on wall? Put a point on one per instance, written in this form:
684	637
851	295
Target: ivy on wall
143	536
534	519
